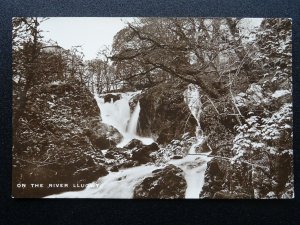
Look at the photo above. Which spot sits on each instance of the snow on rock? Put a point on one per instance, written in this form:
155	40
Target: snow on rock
280	93
240	99
255	93
166	183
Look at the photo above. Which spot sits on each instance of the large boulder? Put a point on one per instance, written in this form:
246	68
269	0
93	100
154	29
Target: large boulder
214	179
101	135
59	139
176	149
164	113
143	154
224	179
166	183
133	154
242	179
134	144
119	158
89	174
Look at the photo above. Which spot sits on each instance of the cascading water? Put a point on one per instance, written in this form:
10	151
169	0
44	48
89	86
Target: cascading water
132	125
118	115
192	99
121	184
194	165
114	185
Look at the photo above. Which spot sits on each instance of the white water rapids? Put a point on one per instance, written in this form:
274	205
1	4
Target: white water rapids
121	184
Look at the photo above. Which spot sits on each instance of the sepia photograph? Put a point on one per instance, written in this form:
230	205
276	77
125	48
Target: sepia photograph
152	108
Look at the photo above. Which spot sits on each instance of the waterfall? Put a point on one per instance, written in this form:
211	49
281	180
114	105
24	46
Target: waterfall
192	99
194	165
118	115
133	122
121	184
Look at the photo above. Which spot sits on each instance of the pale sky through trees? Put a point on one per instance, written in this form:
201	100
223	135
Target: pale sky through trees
92	33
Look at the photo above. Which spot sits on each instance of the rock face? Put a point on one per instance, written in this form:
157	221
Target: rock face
112	97
176	149
133	154
142	155
133	144
243	180
166	183
102	135
219	129
164	113
59	139
119	158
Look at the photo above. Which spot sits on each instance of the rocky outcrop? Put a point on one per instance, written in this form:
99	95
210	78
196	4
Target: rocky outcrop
142	155
133	154
119	158
101	135
164	114
134	144
112	97
219	130
177	148
241	179
59	139
166	183
223	181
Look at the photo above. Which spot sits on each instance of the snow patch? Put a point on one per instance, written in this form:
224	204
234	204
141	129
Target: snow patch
280	93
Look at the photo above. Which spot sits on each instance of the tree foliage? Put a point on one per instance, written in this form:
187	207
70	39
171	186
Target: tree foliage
37	62
194	50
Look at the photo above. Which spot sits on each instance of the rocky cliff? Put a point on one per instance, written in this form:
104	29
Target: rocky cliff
59	139
164	114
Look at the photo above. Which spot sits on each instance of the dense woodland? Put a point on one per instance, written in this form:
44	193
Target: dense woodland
244	77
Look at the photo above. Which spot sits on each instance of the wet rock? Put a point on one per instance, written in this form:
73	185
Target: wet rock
164	113
129	164
167	183
174	150
203	148
177	157
213	180
112	97
114	169
134	143
109	155
119	154
142	155
89	174
95	129
101	142
133	102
